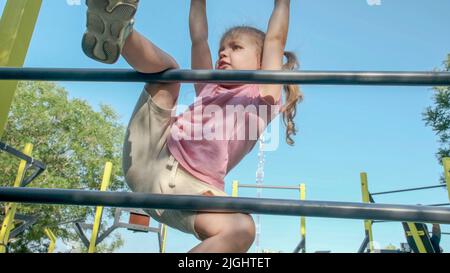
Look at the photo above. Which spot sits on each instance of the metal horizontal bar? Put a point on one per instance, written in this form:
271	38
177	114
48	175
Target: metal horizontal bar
254	186
327	209
439	205
226	76
410	189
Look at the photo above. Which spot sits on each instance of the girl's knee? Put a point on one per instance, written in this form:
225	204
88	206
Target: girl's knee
243	232
247	224
243	228
236	227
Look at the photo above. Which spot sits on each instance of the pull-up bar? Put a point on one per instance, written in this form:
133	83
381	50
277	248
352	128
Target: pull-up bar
256	186
228	204
235	76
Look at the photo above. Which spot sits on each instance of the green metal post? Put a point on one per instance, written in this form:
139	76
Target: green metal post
16	29
366	199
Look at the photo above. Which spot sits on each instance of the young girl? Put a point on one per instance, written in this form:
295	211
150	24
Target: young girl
168	154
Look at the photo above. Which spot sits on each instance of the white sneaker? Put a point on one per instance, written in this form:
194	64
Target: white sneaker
109	22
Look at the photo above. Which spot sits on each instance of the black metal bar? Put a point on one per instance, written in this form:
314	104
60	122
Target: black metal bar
429	205
106	234
114	226
79	230
70	221
364	244
16	153
31	162
27	180
235	76
300	247
330	209
28	221
410	189
439	205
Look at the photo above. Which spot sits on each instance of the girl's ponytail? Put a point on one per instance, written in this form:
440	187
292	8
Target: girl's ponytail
293	95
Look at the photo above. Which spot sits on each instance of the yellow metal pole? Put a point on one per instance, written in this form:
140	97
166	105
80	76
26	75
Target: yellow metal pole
366	199
16	29
52	238
235	188
303	218
99	210
416	236
8	222
164	232
446	163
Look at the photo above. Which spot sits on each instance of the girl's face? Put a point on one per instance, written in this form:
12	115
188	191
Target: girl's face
238	52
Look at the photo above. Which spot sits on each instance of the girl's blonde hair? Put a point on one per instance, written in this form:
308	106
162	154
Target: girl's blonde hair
293	94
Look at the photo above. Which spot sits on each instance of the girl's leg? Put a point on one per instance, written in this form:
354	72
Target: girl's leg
109	23
224	232
146	57
110	33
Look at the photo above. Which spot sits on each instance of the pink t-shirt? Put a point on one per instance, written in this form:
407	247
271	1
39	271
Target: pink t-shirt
219	129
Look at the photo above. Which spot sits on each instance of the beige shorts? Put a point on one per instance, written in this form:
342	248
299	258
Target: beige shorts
149	167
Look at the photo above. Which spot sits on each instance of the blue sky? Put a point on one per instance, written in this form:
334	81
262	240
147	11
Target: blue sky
343	130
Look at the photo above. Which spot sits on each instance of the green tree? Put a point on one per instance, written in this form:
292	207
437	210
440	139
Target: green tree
438	116
75	142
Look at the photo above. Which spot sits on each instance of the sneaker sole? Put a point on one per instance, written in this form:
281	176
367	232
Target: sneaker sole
107	21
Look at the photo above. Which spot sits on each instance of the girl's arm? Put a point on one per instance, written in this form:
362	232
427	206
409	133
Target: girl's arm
200	52
274	44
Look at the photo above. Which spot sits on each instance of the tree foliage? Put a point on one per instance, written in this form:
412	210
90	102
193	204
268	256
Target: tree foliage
74	142
437	116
